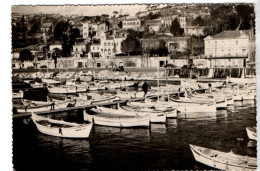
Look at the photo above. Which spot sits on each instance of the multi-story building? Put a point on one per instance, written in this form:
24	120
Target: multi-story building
85	30
102	27
182	21
154	25
133	23
229	48
46	27
95	50
79	49
178	44
108	46
194	30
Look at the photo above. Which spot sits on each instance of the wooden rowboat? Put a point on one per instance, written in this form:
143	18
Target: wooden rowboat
221	160
117	120
61	128
251	133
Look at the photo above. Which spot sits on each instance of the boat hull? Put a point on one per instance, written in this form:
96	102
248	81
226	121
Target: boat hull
251	134
80	131
218	162
117	121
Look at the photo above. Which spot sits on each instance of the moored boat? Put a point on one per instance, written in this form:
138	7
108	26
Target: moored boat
18	95
61	128
251	133
221	160
115	120
38	108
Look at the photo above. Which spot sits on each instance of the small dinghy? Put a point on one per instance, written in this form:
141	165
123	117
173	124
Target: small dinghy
32	107
106	118
18	95
223	161
60	128
251	133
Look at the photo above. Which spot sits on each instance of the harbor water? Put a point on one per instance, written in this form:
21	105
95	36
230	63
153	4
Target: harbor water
159	147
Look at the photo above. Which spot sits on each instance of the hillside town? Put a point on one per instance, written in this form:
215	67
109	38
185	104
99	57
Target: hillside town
134	87
205	39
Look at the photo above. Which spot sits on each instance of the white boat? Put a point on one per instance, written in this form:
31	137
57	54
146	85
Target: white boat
181	107
223	161
50	81
18	95
35	103
67	89
242	80
37	85
248	96
38	108
251	133
61	128
117	120
155	116
237	97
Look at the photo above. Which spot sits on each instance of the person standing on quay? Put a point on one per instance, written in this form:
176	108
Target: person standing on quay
145	88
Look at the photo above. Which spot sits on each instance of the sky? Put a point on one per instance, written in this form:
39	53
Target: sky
80	10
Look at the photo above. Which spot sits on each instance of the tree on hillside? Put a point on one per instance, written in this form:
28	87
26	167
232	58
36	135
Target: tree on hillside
65	46
107	24
131	44
115	13
246	14
163	50
36	28
60	28
120	24
198	21
175	28
25	55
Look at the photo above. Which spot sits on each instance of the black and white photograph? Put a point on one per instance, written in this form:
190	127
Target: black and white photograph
134	87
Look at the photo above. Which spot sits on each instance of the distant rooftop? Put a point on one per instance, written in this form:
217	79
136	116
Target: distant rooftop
231	34
131	19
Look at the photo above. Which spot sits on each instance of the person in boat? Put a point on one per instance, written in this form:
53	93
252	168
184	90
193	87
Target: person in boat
145	88
60	130
52	104
186	93
179	91
210	88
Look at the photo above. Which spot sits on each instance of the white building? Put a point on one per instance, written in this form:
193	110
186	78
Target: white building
229	48
182	21
85	30
79	49
55	46
178	44
194	30
228	43
133	23
108	47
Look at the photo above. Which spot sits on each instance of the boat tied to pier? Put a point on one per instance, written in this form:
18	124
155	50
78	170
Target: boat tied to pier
251	133
60	128
221	160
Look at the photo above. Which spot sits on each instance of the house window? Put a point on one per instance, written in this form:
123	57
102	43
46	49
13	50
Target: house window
236	42
93	48
229	60
76	49
97	48
105	44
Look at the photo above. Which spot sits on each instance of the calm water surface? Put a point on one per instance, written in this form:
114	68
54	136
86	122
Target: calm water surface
160	147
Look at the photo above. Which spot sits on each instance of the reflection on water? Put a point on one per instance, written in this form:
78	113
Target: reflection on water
162	146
